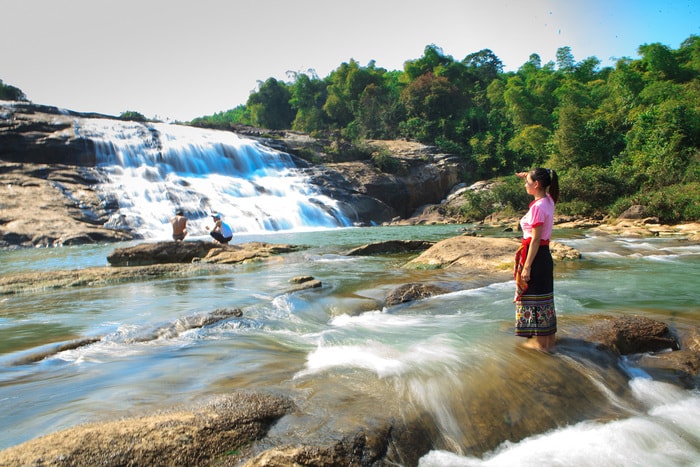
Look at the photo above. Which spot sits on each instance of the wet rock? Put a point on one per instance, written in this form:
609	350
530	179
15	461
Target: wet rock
195	251
630	335
411	292
389	247
681	368
159	253
217	431
88	277
301	279
305	282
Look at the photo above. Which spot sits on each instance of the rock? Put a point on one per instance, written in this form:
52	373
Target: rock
160	253
213	432
310	284
467	252
421	175
561	252
144	262
411	292
194	251
32	281
681	368
301	279
634	212
630	335
389	247
251	251
54	205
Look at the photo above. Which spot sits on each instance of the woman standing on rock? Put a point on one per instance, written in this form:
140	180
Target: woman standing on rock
535	317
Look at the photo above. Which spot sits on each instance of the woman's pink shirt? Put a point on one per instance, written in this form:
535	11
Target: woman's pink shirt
541	213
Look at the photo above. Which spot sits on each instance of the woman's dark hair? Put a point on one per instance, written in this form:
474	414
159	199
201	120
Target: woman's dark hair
548	178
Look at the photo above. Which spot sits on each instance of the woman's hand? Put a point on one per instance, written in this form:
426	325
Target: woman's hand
525	274
521	174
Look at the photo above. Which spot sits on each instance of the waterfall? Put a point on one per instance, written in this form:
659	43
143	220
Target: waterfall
150	170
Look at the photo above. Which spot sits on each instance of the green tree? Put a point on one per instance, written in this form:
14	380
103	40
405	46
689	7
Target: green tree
11	93
432	61
308	94
565	60
133	116
659	61
346	85
269	106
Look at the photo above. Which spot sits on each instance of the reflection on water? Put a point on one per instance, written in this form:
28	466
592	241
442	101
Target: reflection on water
449	361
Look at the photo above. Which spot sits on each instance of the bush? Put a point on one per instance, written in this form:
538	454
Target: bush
510	193
673	204
593	189
132	116
384	161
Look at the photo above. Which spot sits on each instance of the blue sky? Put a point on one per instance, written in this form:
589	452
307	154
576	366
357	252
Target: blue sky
179	59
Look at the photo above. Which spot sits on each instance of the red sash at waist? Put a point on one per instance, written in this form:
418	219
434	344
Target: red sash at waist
520	257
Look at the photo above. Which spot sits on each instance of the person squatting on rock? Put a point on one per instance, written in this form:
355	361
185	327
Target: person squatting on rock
179	223
535	316
221	232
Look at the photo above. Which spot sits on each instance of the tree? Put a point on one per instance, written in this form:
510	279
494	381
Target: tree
432	60
269	106
431	98
565	60
11	93
484	65
308	96
346	85
659	61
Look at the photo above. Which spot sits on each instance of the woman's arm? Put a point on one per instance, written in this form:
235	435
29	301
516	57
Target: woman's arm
532	252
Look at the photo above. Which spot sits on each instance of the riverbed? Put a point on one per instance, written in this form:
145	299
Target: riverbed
338	349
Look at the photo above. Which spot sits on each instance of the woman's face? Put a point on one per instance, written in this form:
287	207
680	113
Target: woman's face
530	185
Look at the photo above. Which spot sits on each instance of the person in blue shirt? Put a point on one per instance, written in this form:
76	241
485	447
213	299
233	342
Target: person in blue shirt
221	232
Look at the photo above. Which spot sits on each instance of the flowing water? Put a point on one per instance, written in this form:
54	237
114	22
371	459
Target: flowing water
151	170
336	347
149	345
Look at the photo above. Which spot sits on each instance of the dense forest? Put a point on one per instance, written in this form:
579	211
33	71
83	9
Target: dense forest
618	136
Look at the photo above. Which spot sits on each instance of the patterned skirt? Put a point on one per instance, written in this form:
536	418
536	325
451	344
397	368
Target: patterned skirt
534	309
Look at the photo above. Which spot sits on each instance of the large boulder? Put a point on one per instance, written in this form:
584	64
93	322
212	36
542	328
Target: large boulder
389	247
43	134
411	292
52	205
480	254
214	432
630	335
186	252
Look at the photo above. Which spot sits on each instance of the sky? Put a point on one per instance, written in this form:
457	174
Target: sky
181	59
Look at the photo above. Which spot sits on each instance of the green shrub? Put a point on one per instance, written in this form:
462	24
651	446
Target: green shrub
673	204
385	161
132	116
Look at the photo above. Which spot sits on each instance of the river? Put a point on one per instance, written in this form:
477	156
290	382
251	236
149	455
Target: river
339	351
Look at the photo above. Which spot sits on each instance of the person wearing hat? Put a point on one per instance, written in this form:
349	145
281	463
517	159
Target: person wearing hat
179	223
221	232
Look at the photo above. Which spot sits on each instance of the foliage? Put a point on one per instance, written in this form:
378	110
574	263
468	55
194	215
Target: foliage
11	93
270	107
133	116
607	131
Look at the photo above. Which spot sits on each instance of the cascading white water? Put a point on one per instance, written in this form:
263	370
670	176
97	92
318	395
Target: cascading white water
153	169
